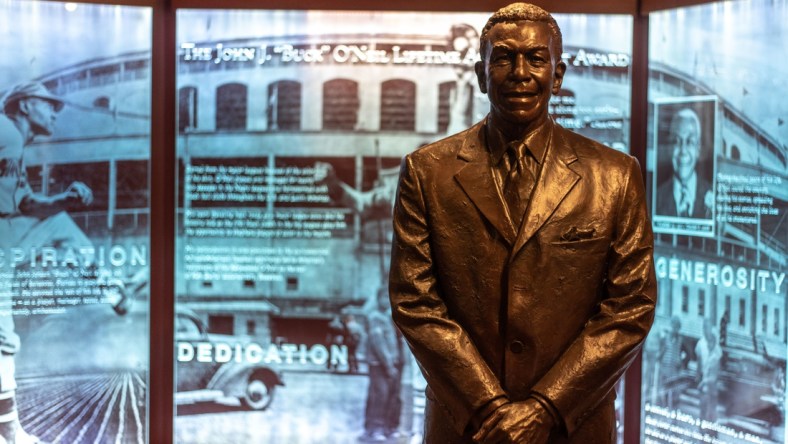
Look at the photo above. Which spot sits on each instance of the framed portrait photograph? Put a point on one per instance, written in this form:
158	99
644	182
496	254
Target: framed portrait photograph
685	150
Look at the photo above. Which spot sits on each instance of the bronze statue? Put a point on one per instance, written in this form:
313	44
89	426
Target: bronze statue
522	270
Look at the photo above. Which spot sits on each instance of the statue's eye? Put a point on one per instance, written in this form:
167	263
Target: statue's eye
501	58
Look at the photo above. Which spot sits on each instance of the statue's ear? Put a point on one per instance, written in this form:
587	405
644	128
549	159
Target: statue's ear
558	76
481	76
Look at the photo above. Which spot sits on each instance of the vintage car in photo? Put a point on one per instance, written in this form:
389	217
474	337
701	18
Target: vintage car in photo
210	378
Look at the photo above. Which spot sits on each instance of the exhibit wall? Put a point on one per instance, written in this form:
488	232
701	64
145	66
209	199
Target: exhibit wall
714	363
74	226
208	193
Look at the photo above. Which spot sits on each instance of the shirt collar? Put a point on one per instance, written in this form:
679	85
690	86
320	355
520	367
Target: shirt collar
535	142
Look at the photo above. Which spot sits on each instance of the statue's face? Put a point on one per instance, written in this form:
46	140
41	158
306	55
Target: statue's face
519	72
686	147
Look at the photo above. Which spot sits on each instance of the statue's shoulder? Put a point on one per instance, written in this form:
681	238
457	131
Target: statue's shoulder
448	147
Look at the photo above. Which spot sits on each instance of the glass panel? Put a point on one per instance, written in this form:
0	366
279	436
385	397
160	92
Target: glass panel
74	233
717	170
231	107
284	225
187	108
398	105
340	104
284	105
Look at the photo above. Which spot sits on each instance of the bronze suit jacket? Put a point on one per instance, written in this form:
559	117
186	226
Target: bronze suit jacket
559	307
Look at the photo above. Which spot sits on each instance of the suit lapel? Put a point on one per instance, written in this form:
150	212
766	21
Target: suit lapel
554	183
476	180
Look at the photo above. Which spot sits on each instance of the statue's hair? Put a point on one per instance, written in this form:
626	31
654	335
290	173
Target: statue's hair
516	12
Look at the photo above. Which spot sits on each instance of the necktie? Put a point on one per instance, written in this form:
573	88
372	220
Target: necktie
518	183
684	202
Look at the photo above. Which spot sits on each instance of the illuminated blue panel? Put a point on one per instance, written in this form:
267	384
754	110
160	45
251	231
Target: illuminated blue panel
291	127
74	234
714	364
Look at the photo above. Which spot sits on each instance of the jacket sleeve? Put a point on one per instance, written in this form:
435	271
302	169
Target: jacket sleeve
455	371
589	368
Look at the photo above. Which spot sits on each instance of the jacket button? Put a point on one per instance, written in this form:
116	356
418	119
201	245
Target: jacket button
516	347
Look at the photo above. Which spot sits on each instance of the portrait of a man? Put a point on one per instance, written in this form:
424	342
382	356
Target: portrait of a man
687	192
522	273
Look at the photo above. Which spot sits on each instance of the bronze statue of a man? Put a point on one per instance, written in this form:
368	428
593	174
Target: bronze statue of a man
522	270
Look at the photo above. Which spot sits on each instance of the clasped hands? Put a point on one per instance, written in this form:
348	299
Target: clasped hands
523	422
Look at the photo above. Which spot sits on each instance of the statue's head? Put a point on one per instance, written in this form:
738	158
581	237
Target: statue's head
521	66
